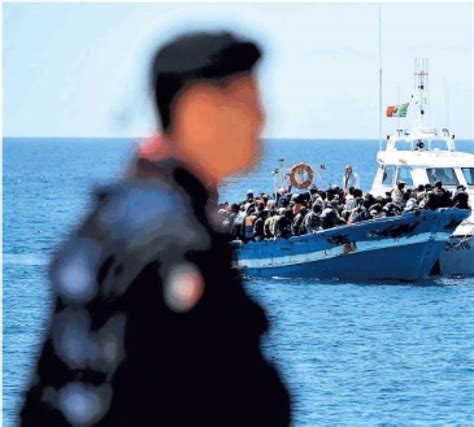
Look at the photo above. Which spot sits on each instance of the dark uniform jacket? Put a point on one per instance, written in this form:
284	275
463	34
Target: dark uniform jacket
151	325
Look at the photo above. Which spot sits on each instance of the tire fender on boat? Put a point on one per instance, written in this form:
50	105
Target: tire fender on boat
297	172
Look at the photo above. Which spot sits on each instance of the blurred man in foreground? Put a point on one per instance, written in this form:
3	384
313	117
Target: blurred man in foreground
151	324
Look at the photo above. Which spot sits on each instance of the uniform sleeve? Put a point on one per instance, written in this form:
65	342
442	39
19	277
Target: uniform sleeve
128	227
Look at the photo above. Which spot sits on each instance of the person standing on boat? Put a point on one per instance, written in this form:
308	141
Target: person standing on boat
350	179
249	222
151	325
229	221
258	226
237	231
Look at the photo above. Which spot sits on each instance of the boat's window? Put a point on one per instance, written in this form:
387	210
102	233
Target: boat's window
469	175
403	145
404	174
445	175
439	144
388	175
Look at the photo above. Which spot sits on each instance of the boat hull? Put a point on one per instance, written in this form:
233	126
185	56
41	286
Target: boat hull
396	248
457	257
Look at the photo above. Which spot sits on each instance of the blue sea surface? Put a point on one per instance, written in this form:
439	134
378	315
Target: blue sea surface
351	353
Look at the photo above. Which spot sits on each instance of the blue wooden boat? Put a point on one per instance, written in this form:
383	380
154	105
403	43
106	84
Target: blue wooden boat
404	247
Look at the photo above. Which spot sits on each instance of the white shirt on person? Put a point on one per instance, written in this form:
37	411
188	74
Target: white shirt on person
350	181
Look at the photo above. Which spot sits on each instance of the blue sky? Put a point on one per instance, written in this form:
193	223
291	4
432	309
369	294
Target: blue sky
80	69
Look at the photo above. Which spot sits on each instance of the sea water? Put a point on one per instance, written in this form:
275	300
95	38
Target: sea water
350	353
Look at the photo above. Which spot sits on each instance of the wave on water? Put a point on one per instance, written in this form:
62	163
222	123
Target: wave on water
25	259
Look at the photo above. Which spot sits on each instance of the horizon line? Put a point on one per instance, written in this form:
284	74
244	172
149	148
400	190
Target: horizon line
282	138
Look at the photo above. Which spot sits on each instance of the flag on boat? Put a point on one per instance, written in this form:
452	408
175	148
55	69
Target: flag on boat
397	110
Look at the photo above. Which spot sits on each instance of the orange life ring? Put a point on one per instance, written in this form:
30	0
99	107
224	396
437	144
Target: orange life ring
298	171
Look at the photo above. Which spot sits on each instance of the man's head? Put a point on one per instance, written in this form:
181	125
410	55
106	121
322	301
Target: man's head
348	169
207	98
317	208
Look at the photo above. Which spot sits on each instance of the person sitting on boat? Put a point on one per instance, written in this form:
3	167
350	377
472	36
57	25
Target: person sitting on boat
259	205
376	212
284	200
443	197
283	224
410	202
358	200
282	197
417	192
263	199
391	209
297	227
299	202
350	203
268	224
273	222
431	201
397	193
375	209
312	221
338	203
249	197
370	200
360	213
270	204
421	192
320	199
350	179
461	198
330	216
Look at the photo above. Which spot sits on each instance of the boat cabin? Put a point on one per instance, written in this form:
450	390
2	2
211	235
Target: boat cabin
423	159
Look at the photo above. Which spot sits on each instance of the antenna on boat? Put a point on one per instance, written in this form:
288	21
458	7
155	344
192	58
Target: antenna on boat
380	77
398	103
446	100
421	82
277	176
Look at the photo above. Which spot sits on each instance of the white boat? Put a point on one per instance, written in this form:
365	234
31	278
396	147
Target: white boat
425	155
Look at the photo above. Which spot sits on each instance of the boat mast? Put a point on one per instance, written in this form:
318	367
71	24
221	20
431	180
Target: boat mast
421	80
380	77
398	103
446	100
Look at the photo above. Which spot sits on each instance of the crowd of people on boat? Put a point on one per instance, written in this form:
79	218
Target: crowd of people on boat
262	216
